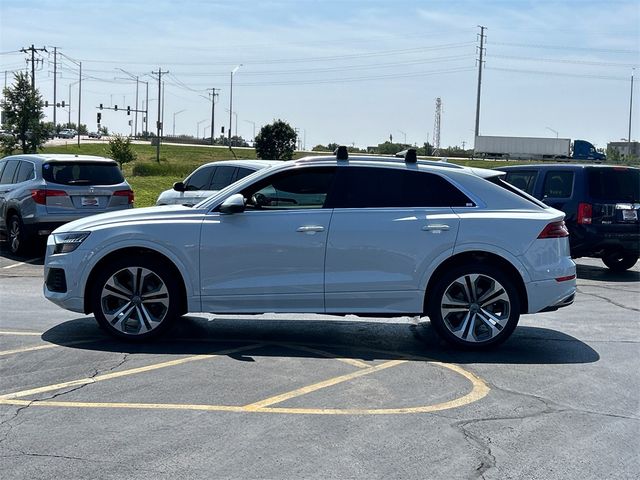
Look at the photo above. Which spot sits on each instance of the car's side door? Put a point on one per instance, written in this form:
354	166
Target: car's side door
388	227
194	186
7	174
270	257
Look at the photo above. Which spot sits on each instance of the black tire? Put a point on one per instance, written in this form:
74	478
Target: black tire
17	240
620	261
466	322
144	289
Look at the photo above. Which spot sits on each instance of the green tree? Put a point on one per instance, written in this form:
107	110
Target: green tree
120	150
22	106
276	141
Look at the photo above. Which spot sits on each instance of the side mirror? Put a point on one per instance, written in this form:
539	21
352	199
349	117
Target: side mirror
233	204
179	187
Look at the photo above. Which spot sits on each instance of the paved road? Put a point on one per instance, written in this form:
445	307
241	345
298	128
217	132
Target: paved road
295	396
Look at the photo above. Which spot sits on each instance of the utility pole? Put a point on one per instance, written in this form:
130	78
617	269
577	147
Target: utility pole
159	122
55	78
79	99
630	110
480	62
213	114
33	51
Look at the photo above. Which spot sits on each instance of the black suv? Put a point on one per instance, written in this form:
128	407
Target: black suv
602	205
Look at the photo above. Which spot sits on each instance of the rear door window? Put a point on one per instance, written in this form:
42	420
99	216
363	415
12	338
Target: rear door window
612	185
25	172
522	179
371	187
242	172
82	173
9	170
558	184
222	177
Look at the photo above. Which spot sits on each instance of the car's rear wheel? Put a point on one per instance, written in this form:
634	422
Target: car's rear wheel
620	261
474	306
136	298
16	238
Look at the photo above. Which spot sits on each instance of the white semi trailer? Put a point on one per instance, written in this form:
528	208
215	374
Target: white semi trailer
535	148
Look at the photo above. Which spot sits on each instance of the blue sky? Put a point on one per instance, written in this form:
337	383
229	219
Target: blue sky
344	71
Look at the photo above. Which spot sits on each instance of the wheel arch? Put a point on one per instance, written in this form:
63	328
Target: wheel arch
482	257
134	252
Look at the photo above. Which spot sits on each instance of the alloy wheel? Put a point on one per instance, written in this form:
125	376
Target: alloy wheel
475	308
135	300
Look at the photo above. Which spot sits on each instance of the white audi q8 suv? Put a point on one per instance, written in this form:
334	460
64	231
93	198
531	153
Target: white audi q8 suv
369	236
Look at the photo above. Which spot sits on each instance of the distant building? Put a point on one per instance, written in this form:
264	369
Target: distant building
623	148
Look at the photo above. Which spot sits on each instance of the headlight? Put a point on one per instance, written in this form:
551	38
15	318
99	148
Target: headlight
68	242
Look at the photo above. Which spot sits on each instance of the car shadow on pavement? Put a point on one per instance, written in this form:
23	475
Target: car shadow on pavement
593	272
362	340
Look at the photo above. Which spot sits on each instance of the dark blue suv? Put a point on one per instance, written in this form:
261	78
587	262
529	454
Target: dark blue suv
602	205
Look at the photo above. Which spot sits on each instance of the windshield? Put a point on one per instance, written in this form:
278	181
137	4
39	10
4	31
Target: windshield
617	184
82	173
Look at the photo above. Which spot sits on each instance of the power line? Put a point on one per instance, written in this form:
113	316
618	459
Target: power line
567	47
559	74
564	60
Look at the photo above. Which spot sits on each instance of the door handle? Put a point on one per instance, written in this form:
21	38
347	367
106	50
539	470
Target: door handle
310	229
435	227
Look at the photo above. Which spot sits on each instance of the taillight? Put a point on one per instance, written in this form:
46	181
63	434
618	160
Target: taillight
554	230
585	211
40	195
125	193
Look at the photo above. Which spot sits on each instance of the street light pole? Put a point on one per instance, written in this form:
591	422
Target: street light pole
552	130
231	103
254	129
630	109
174	121
198	130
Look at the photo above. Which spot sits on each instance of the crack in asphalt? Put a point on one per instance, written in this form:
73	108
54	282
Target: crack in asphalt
20	409
608	300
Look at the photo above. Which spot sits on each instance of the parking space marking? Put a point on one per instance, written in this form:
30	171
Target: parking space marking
478	391
28	349
122	373
349	361
45	347
317	386
18	333
13	265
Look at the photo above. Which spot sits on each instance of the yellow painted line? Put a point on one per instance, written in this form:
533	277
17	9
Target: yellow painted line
348	361
27	349
26	334
45	347
123	373
324	384
479	391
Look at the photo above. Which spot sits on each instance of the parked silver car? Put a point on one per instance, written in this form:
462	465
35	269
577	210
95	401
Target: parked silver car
38	193
209	178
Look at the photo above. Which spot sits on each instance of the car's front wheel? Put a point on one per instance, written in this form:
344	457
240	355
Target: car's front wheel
135	298
474	306
620	261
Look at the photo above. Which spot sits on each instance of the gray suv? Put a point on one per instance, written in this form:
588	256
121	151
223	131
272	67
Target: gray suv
38	193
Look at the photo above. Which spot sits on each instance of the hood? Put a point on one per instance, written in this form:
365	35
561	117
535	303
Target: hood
133	215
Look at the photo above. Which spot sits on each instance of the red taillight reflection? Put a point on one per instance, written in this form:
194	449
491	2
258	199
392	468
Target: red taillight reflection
40	195
585	212
554	230
125	193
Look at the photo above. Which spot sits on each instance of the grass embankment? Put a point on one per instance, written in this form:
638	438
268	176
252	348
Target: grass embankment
148	178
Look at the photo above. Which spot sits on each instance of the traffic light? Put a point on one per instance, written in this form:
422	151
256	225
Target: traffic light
99	117
100	106
115	107
128	110
62	103
46	103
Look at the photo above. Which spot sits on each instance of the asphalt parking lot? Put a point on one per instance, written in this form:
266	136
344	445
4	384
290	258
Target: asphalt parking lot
300	396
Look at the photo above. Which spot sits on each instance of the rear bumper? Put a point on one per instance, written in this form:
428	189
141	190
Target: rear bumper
549	295
597	240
